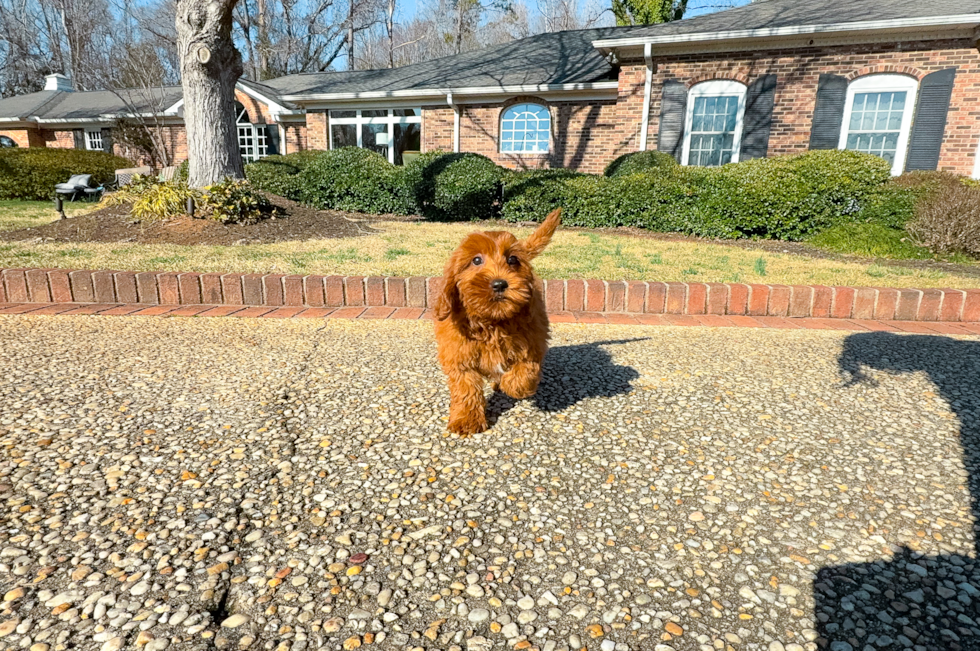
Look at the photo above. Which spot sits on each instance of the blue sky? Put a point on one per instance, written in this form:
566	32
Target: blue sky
407	8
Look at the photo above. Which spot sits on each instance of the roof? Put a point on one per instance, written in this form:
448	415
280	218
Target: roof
89	105
22	106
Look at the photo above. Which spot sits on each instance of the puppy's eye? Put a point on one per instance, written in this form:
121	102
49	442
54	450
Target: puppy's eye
477	261
513	261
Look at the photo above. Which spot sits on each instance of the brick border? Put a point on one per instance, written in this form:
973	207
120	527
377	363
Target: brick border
595	296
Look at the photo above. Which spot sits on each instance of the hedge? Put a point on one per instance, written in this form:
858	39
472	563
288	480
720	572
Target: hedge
278	174
32	173
450	186
351	178
638	161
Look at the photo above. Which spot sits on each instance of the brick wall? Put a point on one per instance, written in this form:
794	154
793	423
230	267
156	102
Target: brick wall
294	138
797	73
317	136
57	139
258	112
24	137
437	128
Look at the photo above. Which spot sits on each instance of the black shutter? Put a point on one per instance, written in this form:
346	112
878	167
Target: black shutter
673	109
828	114
79	135
272	139
757	122
930	120
107	140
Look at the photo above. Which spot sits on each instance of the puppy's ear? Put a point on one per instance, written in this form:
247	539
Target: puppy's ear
541	237
449	300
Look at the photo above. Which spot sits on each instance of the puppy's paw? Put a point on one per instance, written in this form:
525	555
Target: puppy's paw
470	424
519	386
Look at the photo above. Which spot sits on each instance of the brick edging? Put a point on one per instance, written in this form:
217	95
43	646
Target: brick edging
613	297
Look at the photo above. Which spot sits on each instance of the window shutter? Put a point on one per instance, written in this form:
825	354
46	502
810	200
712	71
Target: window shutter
673	107
79	135
107	140
829	112
757	122
929	124
272	138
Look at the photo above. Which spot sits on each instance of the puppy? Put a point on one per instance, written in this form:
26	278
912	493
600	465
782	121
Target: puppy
491	321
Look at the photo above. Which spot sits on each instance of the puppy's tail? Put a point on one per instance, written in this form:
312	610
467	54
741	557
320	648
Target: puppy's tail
541	237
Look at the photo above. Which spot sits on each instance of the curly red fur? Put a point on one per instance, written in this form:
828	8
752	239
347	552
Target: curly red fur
485	334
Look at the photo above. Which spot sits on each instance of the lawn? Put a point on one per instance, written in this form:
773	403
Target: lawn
24	214
408	249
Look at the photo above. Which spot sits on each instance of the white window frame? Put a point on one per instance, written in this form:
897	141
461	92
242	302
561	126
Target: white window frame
884	83
390	119
92	136
503	118
715	88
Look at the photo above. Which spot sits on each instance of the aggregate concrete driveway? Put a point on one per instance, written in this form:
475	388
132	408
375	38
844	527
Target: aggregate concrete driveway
284	484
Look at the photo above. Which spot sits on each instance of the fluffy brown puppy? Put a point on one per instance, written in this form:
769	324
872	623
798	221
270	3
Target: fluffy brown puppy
491	321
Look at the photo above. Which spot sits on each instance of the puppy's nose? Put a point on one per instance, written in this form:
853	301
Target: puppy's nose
498	285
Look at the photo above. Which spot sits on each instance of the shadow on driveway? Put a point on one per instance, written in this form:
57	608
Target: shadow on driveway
913	600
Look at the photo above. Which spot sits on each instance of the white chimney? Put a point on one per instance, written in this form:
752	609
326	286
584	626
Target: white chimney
57	82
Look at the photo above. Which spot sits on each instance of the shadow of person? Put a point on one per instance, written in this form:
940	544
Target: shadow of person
913	600
572	374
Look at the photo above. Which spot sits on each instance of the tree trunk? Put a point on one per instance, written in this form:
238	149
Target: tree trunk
209	66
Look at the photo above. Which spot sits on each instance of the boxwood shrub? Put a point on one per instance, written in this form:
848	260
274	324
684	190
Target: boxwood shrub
454	186
279	174
32	173
638	161
354	179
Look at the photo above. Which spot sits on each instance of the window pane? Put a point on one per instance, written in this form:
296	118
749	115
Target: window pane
374	113
875	124
713	126
375	138
344	135
408	137
343	114
408	112
525	128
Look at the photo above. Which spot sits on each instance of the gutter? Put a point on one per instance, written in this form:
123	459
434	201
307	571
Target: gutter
959	20
449	100
647	91
470	90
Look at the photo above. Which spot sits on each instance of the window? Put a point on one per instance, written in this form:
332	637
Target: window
713	125
390	132
525	128
251	137
93	140
878	117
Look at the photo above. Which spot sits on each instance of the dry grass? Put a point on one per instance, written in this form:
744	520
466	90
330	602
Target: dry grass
405	249
15	215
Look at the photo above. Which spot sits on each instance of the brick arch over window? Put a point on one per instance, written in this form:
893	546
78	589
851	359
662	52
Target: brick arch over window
718	76
909	71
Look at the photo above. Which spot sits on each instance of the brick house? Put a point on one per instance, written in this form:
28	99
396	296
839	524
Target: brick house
898	78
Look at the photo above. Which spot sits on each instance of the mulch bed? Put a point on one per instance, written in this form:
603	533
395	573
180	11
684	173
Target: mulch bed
295	222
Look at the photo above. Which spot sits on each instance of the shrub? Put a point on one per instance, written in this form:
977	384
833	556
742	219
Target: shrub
234	202
280	174
183	172
639	161
454	186
949	221
32	173
162	200
354	179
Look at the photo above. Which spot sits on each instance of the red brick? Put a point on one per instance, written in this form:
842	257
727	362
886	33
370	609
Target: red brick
779	300
590	317
415	292
168	289
211	289
252	312
23	308
876	326
618	318
313	290
908	304
929	305
377	312
743	321
314	313
272	289
843	304
354	291
697	298
717	298
155	310
395	292
60	286
738	299
681	320
103	288
406	313
780	322
60	308
656	298
189	285
222	310
252	289
292	291
800	301
886	304
823	297
676	298
37	285
636	294
333	291
89	309
81	287
190	310
758	303
374	291
574	295
554	295
971	306
283	312
231	289
16	285
433	291
146	287
125	282
651	319
615	296
952	304
561	317
347	313
595	296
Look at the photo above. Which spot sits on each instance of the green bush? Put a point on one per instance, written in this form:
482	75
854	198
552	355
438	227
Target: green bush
183	172
234	202
279	174
354	179
159	200
454	187
638	161
32	173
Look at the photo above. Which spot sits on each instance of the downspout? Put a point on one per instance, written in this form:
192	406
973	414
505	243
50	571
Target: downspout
449	100
647	92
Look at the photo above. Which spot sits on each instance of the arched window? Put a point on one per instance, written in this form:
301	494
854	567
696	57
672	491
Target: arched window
525	128
878	117
713	124
252	138
241	114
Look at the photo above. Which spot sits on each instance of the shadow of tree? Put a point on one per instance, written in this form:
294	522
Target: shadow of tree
914	600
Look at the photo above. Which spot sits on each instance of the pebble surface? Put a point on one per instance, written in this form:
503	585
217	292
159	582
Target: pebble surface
251	484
